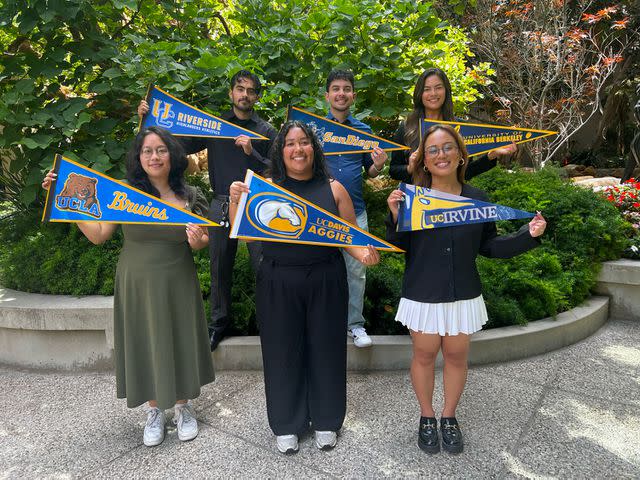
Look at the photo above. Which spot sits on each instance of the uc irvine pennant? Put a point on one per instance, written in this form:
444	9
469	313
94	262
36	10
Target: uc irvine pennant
81	194
482	138
274	214
183	120
337	139
425	208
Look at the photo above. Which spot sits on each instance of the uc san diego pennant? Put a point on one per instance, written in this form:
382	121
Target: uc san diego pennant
337	139
427	208
482	138
183	120
274	214
81	194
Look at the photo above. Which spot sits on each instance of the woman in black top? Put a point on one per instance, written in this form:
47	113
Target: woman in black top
441	300
302	300
433	100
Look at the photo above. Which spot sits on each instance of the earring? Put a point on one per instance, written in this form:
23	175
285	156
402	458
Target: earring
461	161
424	167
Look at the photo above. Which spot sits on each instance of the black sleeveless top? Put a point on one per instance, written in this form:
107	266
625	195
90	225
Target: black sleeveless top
317	191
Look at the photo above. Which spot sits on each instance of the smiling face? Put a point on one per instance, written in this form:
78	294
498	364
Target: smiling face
340	95
441	154
297	154
433	94
155	158
243	94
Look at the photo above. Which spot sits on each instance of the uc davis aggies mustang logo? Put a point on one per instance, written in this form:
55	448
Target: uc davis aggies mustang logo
277	215
79	195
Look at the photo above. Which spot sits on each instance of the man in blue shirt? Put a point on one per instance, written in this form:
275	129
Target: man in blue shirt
347	169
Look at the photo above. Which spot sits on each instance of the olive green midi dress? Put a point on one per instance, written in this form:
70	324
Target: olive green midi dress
161	342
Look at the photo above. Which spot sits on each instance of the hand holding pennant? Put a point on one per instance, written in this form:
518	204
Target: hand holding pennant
424	208
338	139
482	138
184	120
271	213
81	194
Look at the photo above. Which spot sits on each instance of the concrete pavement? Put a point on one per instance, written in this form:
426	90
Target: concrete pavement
572	413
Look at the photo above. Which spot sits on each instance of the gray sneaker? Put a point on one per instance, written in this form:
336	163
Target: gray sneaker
154	429
287	443
185	421
326	440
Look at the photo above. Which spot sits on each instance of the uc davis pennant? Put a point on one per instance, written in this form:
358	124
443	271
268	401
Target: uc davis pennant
337	139
81	194
182	119
274	214
482	138
426	208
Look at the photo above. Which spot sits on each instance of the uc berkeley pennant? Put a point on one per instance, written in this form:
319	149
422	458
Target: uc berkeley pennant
274	214
427	208
81	194
183	120
337	139
482	138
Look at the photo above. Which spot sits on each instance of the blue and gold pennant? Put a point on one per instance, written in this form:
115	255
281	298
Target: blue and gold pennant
274	214
81	194
184	120
338	139
425	208
482	138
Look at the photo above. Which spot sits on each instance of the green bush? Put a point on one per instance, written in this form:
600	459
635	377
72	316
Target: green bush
583	230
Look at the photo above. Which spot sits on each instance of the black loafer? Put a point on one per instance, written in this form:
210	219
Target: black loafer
428	440
451	435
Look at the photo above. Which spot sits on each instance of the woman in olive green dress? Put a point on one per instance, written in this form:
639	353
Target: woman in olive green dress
161	345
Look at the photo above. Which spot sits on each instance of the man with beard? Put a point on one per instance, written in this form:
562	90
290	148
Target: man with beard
228	161
347	169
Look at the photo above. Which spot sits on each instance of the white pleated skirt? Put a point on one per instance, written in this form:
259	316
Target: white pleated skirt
450	318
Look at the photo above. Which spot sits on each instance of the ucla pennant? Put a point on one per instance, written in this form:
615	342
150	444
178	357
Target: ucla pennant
337	139
274	214
182	119
482	138
81	194
425	208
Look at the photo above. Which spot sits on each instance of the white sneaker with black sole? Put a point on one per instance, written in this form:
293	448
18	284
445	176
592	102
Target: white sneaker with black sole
154	429
360	337
287	444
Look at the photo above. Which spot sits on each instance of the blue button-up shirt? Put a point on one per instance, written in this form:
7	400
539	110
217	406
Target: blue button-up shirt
347	168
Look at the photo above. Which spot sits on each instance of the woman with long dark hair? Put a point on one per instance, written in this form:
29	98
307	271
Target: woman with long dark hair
302	301
441	302
433	100
161	345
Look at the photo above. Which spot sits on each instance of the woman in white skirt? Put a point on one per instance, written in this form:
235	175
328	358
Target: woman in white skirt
441	300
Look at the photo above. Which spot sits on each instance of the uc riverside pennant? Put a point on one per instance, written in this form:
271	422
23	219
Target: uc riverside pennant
337	139
274	214
482	138
427	208
81	194
181	119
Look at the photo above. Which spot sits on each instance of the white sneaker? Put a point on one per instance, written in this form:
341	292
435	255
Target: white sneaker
154	429
185	421
326	440
287	443
360	337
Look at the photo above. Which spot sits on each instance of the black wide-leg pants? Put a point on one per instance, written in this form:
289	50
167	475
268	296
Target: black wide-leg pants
302	315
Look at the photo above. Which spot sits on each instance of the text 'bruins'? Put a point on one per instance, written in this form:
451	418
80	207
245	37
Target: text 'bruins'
122	203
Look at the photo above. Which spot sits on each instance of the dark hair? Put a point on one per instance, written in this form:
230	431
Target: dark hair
412	124
278	171
247	75
341	75
137	177
421	177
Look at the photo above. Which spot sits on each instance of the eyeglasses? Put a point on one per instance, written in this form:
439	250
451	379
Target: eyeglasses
446	149
160	151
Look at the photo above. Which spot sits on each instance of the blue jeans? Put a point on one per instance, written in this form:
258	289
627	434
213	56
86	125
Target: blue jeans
356	277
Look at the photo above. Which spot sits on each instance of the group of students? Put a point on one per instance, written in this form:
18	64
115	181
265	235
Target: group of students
306	295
